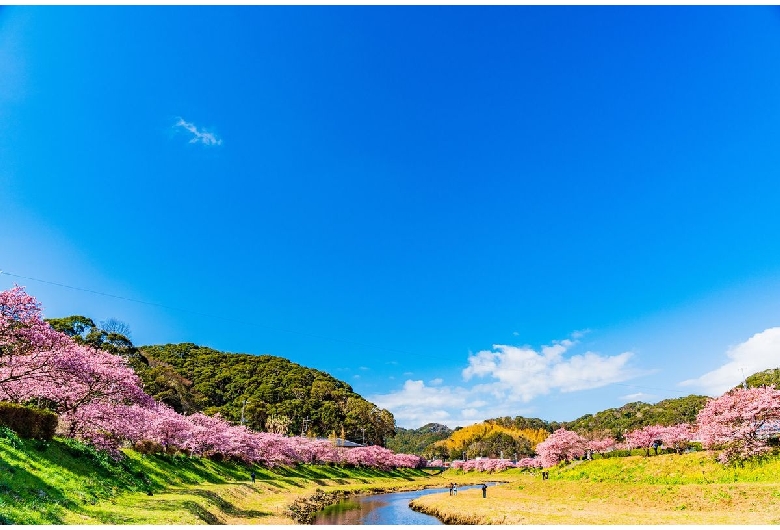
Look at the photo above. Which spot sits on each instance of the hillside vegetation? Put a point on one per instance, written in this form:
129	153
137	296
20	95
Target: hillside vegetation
263	387
415	441
520	435
488	439
269	393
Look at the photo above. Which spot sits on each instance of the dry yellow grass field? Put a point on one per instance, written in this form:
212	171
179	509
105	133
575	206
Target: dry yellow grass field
529	500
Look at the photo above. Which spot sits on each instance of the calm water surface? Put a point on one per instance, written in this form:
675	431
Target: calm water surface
387	508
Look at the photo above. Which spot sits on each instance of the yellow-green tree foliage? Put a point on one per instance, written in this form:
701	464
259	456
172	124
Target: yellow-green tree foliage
462	439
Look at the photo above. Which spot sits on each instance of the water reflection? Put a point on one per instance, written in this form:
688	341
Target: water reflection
388	508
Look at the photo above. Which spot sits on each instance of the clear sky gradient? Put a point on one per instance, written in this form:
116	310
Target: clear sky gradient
463	212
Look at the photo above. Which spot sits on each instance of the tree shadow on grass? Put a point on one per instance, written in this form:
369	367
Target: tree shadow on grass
226	506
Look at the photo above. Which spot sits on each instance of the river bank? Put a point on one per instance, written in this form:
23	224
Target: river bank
662	490
304	509
277	502
66	482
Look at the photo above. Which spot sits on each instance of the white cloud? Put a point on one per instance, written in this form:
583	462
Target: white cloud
417	404
639	396
521	373
760	352
508	378
199	136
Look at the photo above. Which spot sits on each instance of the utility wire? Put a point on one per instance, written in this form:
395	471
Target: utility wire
255	324
172	308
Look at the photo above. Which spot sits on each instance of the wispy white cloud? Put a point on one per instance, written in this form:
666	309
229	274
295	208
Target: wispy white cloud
580	333
436	382
199	136
760	352
639	396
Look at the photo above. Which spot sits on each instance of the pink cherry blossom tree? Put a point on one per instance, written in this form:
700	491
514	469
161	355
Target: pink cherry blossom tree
600	445
732	423
28	345
677	437
560	446
100	400
530	463
644	438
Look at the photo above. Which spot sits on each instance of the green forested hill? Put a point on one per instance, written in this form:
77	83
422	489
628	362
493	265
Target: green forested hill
267	388
618	420
272	393
769	377
414	441
639	414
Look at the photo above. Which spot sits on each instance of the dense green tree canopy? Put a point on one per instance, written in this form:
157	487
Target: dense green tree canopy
769	377
259	386
639	414
415	441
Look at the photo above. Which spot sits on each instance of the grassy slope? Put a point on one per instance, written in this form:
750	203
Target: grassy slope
65	482
667	489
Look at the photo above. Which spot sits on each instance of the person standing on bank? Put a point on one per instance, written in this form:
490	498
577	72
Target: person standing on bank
252	474
484	491
455	489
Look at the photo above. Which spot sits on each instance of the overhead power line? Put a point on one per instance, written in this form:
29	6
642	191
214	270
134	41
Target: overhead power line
209	315
263	326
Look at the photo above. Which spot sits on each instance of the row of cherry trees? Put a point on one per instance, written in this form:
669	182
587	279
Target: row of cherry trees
100	400
739	424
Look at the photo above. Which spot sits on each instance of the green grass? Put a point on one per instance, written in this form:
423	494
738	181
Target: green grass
65	481
691	468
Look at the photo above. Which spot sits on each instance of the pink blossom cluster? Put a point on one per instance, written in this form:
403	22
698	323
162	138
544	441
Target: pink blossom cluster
733	422
675	437
489	465
99	399
436	463
560	446
529	462
493	465
601	445
643	438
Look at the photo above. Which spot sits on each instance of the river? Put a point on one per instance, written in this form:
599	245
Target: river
387	508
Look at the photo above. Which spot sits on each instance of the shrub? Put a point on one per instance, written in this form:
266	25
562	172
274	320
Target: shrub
9	437
148	447
28	422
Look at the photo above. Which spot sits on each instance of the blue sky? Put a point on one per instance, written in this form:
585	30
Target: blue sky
463	212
